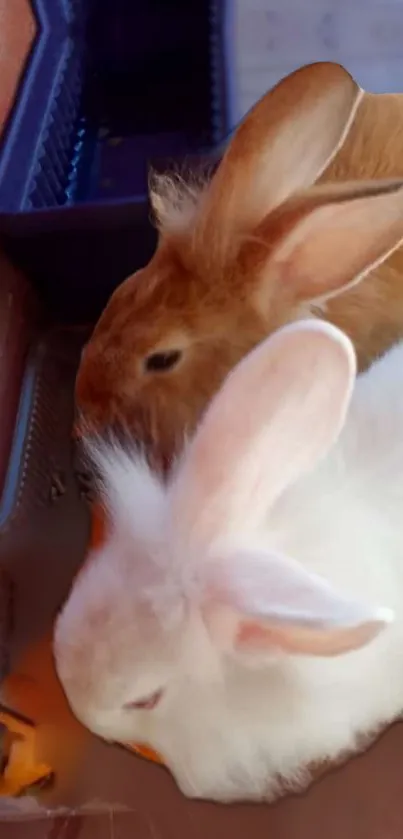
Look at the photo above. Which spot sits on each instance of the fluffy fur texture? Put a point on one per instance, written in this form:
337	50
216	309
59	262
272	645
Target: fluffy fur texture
260	587
236	256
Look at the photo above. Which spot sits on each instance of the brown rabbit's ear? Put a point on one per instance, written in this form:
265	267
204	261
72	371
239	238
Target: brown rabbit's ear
319	244
283	145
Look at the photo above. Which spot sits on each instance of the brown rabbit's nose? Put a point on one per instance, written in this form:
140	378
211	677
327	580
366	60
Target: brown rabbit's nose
105	408
94	394
83	427
92	415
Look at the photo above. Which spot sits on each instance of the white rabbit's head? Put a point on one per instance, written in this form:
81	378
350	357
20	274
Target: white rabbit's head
186	588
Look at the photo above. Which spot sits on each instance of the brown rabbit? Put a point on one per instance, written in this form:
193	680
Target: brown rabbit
256	247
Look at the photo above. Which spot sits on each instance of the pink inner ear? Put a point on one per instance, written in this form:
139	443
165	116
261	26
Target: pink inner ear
303	640
253	635
276	407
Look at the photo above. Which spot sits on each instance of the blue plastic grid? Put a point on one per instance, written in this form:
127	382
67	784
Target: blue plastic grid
41	132
43	151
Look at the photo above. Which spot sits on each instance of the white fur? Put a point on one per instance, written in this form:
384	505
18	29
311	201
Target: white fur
175	200
231	724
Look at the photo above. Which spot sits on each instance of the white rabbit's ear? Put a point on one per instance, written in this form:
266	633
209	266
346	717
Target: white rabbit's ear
282	145
260	602
277	413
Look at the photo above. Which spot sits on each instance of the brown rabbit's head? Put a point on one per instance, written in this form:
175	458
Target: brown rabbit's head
254	248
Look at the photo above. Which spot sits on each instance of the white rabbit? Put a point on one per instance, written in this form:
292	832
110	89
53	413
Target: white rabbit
245	619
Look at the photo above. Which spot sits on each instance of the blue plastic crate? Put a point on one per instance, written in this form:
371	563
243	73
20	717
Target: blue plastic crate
41	131
109	86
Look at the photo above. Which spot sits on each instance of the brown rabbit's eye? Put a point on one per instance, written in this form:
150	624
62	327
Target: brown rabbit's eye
161	361
146	704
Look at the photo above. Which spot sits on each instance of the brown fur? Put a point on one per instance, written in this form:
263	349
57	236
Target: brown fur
372	313
236	258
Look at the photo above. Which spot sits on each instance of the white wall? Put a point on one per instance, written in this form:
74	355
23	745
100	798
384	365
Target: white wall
268	38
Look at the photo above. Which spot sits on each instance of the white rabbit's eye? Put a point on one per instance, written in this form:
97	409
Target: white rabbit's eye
160	362
146	704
